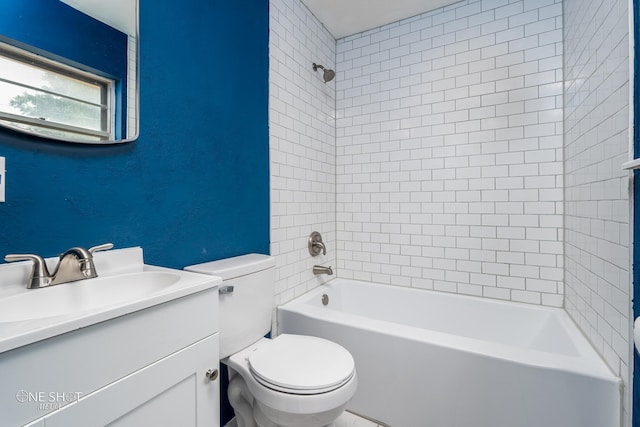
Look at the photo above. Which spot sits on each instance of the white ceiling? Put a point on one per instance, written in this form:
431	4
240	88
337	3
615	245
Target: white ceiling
345	17
120	14
341	17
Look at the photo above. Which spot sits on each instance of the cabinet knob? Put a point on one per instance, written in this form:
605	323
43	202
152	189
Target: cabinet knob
212	374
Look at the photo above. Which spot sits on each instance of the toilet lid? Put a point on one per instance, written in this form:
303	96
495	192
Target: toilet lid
301	364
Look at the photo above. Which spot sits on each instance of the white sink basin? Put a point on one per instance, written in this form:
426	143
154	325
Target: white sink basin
84	295
124	285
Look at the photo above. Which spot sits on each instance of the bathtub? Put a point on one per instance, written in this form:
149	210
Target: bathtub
431	359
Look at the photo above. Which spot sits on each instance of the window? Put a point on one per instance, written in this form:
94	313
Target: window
52	99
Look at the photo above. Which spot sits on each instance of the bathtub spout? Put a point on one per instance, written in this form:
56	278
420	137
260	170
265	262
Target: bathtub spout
321	269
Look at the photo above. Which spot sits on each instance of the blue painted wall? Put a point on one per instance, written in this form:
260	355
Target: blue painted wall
195	185
77	39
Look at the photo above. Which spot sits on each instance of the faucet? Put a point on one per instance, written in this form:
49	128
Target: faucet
75	264
321	269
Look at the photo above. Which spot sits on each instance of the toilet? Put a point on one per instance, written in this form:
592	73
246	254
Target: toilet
290	380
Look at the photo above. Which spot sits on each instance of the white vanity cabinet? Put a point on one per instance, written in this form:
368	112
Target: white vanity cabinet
146	368
171	392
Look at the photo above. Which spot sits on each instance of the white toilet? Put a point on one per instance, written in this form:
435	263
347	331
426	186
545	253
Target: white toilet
290	380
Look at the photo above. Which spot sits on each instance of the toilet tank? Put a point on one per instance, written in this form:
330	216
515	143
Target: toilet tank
245	312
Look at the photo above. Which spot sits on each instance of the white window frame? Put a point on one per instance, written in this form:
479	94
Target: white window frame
107	106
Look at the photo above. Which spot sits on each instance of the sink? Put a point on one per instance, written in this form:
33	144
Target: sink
84	295
124	285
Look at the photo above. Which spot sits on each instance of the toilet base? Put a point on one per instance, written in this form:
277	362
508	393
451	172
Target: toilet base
252	413
234	423
268	417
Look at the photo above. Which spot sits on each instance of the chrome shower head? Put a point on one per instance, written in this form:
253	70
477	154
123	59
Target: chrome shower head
327	74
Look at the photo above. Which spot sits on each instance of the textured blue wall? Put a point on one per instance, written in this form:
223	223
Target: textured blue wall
195	185
79	39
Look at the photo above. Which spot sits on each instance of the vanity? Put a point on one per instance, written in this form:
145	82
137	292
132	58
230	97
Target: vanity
138	345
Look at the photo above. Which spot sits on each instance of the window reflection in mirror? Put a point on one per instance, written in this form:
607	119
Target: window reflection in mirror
49	99
79	85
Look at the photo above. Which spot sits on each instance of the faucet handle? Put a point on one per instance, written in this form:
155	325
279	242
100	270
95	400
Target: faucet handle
315	244
40	276
104	247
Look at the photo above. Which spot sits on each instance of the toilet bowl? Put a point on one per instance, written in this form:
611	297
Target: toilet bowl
287	381
293	380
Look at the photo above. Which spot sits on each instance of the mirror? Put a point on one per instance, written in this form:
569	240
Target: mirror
69	69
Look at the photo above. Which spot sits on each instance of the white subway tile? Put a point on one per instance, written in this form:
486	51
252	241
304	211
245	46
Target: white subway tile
526	296
524	43
510	34
495	50
449	152
528	17
509	10
541	52
492	4
499	24
587	214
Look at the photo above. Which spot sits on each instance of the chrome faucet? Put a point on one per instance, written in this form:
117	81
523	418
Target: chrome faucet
75	264
321	269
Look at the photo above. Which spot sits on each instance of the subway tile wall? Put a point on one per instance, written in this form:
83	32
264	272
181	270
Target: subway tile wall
449	151
302	146
596	188
435	158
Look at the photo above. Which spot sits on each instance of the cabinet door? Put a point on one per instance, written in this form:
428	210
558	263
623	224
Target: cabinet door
173	391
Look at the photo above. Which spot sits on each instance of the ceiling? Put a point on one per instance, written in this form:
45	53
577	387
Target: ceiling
120	14
341	17
345	17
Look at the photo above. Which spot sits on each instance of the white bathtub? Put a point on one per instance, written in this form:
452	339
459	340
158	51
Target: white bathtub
430	359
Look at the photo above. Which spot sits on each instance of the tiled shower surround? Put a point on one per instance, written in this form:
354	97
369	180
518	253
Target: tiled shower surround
597	294
447	149
301	146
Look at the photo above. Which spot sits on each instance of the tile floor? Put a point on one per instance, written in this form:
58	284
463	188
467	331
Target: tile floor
347	419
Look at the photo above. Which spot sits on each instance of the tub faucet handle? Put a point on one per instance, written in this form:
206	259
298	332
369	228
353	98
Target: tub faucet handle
316	245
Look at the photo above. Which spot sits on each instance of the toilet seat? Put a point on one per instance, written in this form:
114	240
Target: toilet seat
303	365
281	400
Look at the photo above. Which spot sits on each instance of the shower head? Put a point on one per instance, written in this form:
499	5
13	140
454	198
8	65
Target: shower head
327	74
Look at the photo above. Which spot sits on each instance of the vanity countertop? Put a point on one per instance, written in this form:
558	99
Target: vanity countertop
124	285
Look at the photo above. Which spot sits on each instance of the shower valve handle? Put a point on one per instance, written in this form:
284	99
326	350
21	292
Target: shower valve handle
316	245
